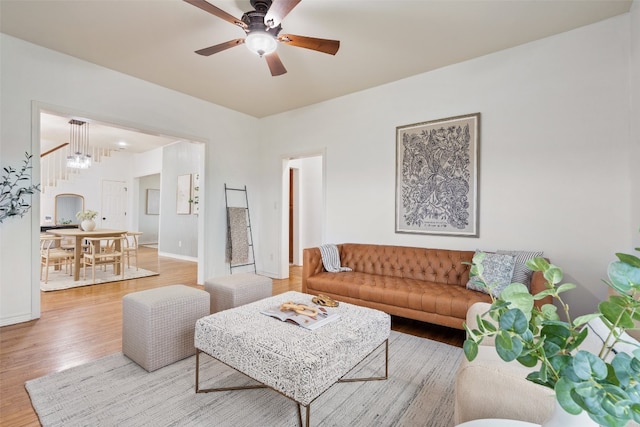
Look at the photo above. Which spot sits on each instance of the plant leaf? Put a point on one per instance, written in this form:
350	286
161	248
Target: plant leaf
507	347
537	264
581	320
553	274
563	390
587	365
514	320
623	276
566	287
632	260
470	348
615	314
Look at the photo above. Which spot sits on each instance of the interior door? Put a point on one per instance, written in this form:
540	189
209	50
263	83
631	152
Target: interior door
290	215
114	205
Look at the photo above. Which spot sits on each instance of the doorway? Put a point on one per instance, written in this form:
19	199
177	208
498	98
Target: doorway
303	194
47	135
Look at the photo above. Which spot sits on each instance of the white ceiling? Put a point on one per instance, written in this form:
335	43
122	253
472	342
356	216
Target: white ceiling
381	41
55	129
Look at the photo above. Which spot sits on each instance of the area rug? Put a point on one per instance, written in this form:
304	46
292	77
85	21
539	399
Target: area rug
115	391
60	280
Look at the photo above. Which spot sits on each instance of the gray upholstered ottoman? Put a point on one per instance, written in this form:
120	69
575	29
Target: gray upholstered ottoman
237	289
158	324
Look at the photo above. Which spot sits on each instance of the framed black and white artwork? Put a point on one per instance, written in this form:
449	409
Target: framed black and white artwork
437	176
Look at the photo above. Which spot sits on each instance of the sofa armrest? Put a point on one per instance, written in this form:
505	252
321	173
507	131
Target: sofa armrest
311	265
538	284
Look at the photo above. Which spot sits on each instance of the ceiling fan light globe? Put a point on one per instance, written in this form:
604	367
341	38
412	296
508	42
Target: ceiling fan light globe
261	43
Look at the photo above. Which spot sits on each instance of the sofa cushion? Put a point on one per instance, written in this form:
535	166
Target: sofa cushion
432	265
522	273
498	270
412	294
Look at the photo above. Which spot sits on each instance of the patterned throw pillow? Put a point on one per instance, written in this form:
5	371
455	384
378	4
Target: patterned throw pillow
521	273
498	270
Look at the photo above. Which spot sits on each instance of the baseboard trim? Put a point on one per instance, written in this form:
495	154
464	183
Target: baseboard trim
176	256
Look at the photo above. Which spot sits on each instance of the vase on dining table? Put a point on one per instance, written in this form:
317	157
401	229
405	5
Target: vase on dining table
88	224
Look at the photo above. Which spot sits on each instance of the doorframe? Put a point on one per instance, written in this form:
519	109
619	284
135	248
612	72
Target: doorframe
284	203
38	107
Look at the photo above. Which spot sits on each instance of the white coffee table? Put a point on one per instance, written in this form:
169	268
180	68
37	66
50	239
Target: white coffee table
292	360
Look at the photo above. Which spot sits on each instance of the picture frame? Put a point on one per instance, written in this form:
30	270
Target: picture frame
195	194
183	195
437	172
153	201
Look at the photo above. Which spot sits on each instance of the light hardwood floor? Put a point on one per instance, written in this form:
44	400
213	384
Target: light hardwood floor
83	324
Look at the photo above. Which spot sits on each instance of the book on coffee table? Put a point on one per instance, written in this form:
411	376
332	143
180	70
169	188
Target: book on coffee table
323	317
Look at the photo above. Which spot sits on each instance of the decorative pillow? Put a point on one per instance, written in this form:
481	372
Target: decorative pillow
498	269
521	273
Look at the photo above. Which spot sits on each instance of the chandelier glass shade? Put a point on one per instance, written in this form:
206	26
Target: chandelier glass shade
260	43
79	157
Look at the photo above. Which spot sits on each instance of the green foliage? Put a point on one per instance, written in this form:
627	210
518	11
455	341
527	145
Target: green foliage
14	187
88	214
606	387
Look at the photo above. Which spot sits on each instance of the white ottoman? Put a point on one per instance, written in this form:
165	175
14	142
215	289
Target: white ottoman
237	289
158	324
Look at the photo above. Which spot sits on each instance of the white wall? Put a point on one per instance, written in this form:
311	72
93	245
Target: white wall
311	203
88	183
634	74
553	150
148	224
32	73
178	232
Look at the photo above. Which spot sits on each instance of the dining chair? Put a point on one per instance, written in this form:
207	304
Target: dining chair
51	254
99	254
131	246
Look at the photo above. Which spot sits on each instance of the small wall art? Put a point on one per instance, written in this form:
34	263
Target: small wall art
153	201
183	206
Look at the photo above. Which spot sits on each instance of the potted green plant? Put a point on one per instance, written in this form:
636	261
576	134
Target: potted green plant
13	190
87	217
606	386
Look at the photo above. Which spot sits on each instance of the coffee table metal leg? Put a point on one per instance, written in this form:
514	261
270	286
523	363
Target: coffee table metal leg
386	367
307	422
208	390
307	416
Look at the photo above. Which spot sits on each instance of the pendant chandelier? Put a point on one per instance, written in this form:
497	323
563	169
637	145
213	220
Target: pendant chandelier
79	157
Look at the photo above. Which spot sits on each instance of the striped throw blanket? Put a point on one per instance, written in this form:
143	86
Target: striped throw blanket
331	259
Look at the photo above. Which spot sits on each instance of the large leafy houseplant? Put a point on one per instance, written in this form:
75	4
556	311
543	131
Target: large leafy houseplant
15	185
605	385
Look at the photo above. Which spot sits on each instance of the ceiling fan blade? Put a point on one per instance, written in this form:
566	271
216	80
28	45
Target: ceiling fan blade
275	64
278	10
321	45
219	47
208	7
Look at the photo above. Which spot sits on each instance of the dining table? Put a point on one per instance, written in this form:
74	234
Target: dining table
78	234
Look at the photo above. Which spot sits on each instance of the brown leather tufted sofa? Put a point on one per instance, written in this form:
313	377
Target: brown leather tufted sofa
417	283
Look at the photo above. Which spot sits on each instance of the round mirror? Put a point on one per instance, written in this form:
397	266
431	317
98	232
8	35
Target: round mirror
66	207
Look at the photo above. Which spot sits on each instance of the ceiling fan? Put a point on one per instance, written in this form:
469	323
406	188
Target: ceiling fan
262	26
